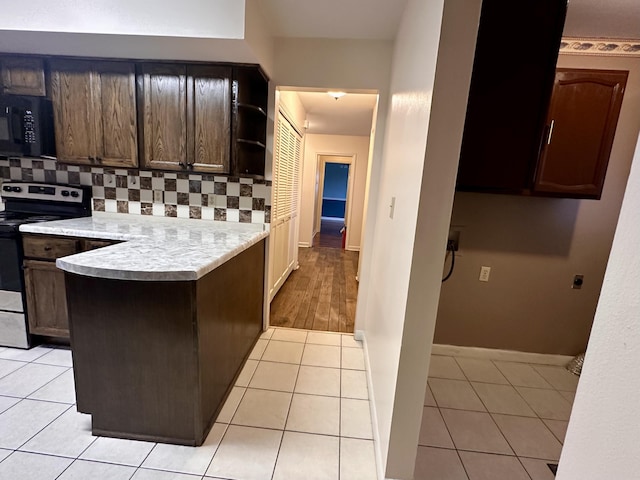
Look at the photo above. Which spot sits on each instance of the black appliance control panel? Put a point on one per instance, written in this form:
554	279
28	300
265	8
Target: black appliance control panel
29	125
43	191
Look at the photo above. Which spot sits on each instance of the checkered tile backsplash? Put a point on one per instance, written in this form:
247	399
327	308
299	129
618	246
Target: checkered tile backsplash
143	192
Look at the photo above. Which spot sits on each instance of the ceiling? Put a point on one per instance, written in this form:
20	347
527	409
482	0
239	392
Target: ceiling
348	115
603	18
380	19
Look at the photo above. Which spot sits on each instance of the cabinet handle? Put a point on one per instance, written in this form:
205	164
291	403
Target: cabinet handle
553	122
98	159
183	164
47	249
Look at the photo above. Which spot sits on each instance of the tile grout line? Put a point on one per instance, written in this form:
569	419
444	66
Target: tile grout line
19	368
273	472
340	416
455	447
215	451
40	431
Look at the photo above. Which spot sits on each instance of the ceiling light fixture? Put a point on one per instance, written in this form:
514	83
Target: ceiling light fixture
336	94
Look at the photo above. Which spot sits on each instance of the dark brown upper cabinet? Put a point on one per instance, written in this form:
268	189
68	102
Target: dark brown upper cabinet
512	78
581	125
250	95
185	116
94	105
23	76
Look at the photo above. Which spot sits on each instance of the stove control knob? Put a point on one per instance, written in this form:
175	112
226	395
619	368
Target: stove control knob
75	194
64	193
16	189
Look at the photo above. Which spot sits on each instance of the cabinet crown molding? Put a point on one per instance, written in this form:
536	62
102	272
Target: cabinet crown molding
600	46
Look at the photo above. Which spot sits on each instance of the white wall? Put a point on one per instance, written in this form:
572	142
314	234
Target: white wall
420	158
333	145
603	433
293	108
214	30
163	18
258	37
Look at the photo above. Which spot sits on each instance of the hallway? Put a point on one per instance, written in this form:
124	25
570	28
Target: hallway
321	294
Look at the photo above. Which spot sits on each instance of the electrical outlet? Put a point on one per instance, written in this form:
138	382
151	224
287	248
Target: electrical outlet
211	200
158	196
108	179
484	274
454	240
392	207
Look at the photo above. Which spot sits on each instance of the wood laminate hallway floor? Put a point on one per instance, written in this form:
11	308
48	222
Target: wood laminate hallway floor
321	294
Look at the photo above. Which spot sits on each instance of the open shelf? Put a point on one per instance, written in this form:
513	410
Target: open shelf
254	143
252	108
250	94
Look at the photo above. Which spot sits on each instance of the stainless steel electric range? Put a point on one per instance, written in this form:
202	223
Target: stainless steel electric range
28	203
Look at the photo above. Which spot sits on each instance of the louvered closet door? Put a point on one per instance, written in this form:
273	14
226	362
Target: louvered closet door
286	183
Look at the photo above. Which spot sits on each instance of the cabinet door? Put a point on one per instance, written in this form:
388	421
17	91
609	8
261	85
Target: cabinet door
46	299
114	106
72	110
164	99
582	120
23	76
209	97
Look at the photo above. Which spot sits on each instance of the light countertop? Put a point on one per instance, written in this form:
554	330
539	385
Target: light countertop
153	248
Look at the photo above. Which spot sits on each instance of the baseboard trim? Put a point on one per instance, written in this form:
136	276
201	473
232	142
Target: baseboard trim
505	355
304	244
360	336
351	248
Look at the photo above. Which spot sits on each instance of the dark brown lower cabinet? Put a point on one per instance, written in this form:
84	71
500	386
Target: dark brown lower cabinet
155	360
46	301
44	282
581	121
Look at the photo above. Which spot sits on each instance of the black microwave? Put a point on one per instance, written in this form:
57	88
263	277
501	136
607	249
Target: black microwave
26	126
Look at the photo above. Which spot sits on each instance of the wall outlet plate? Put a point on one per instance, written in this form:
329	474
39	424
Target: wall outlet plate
158	196
484	274
454	239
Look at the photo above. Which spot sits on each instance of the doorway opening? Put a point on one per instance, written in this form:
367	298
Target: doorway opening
317	289
333	201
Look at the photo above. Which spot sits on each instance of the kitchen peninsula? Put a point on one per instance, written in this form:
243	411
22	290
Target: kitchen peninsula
162	322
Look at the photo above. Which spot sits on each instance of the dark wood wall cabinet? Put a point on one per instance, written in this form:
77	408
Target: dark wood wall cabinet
200	117
511	82
44	282
186	117
23	76
581	125
529	130
94	104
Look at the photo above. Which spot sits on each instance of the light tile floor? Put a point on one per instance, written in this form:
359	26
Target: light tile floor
493	420
299	410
